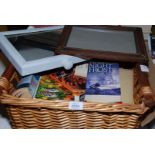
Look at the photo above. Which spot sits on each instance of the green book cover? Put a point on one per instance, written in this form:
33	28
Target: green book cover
50	90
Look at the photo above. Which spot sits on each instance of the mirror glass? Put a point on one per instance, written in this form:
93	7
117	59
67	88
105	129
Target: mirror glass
36	45
102	40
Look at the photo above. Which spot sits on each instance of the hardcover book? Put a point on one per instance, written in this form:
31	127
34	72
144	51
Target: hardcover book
103	83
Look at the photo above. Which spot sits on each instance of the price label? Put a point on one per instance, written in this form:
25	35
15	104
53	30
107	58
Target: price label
144	68
73	105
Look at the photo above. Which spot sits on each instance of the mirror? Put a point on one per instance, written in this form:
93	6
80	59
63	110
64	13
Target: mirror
36	45
112	43
102	40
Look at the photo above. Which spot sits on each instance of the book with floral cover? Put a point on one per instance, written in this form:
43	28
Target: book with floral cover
68	79
52	90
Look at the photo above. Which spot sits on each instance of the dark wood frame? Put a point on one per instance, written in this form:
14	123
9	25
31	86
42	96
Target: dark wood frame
140	56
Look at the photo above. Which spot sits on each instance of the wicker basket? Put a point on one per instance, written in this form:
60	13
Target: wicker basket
37	113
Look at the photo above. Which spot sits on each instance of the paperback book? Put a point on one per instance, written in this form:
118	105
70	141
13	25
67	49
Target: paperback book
30	82
50	89
103	83
68	79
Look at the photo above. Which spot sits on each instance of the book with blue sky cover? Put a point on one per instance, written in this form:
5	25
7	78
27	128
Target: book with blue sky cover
103	83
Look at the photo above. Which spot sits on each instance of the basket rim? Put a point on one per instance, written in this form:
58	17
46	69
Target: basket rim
64	105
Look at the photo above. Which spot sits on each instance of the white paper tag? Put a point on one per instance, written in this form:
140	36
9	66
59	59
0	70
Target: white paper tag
74	105
77	98
144	68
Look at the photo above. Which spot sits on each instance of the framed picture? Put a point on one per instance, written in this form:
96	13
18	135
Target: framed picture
115	43
33	50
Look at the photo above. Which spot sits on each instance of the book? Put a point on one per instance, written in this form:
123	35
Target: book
50	89
126	81
81	70
103	83
68	79
30	82
127	84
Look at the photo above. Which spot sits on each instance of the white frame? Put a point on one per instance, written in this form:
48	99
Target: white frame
34	66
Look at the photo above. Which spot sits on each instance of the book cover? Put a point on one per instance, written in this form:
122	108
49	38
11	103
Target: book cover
74	84
50	89
103	83
30	82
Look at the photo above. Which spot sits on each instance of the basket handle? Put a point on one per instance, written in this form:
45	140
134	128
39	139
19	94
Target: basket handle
4	85
8	72
148	97
5	79
146	91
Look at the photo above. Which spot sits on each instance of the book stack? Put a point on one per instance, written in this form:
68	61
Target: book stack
97	82
107	82
61	85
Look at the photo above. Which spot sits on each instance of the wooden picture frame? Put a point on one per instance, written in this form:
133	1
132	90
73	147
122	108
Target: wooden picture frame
139	53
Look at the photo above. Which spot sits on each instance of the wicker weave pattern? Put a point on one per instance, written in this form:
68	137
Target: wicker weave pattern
4	83
45	118
55	114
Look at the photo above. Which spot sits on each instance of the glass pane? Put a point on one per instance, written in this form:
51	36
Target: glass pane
102	40
31	53
35	45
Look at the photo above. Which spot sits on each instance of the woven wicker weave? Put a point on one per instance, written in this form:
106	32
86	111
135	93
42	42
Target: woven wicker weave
37	113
